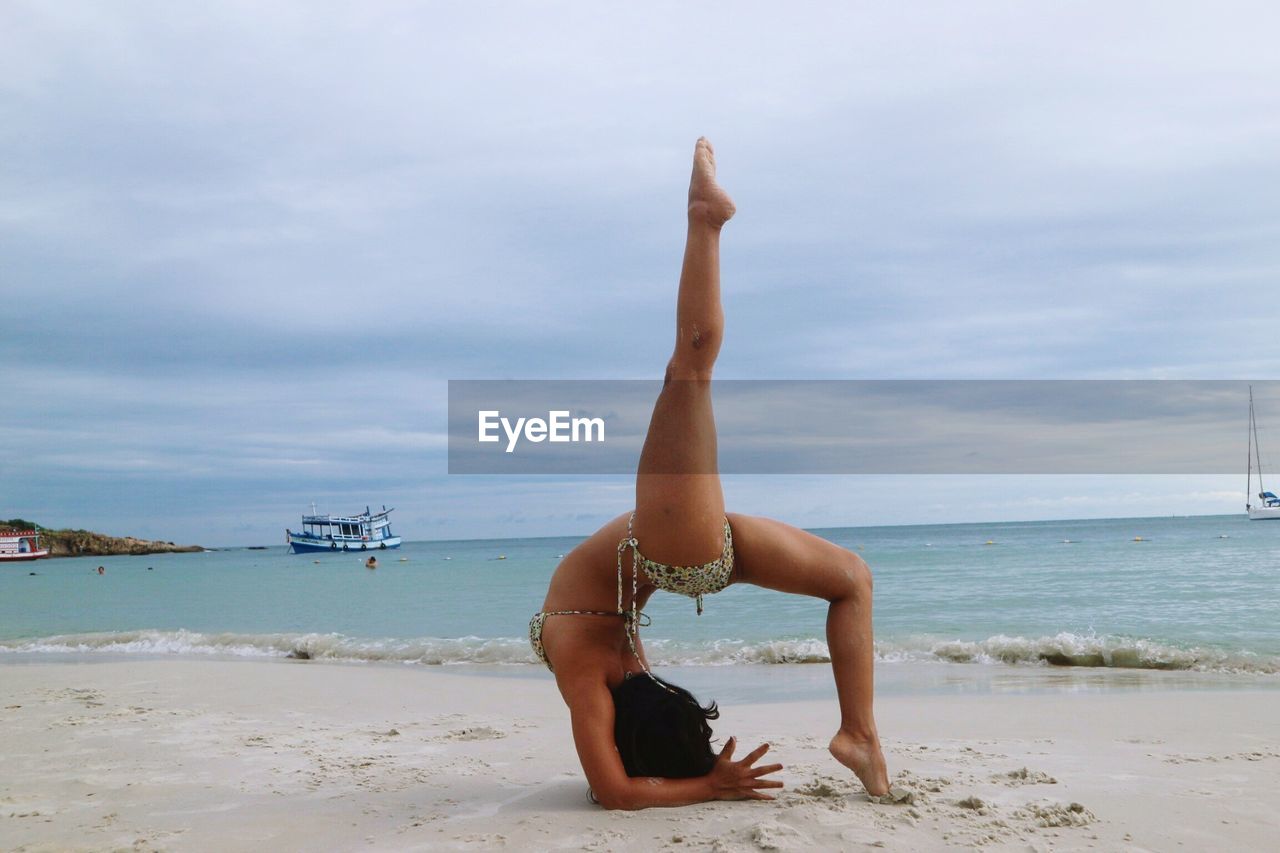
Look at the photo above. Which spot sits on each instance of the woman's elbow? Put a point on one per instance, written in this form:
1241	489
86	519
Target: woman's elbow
616	805
616	800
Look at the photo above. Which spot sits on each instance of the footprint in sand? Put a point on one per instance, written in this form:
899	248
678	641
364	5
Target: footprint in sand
474	733
1238	756
1047	814
770	835
824	788
1024	776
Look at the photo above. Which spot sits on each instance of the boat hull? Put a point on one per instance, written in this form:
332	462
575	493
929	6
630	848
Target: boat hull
1264	513
25	555
302	545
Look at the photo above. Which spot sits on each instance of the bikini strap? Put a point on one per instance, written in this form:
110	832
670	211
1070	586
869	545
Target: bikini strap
629	542
631	619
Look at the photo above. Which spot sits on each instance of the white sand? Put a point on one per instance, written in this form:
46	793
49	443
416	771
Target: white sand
232	755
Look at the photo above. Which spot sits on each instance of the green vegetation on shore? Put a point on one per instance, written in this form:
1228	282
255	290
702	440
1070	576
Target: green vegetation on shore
84	543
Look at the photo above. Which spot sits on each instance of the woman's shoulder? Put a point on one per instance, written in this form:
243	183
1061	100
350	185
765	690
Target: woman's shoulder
585	650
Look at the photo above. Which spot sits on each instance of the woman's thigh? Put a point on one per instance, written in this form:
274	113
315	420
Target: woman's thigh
679	501
774	555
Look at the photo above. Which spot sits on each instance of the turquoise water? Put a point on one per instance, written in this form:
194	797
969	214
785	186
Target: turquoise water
1198	593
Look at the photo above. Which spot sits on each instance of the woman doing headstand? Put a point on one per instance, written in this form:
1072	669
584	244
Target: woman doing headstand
642	741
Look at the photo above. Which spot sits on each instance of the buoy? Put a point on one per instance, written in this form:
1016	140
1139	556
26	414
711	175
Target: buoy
404	559
1223	536
317	562
989	542
1066	541
502	556
1138	539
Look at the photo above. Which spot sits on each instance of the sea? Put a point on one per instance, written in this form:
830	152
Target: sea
1129	603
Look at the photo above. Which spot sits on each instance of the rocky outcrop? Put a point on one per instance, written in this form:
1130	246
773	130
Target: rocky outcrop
84	543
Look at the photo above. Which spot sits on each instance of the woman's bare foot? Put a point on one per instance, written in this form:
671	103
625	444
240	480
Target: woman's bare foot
863	757
708	203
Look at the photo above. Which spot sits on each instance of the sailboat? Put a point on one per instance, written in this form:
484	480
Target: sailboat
1270	506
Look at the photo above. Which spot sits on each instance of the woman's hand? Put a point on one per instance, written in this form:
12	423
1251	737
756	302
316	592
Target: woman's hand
738	780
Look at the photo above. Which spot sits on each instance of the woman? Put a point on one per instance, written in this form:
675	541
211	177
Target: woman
643	742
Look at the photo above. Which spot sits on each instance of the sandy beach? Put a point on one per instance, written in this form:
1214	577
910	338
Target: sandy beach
236	755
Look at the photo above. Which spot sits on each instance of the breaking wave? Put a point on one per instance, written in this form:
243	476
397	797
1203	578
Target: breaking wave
1063	649
313	646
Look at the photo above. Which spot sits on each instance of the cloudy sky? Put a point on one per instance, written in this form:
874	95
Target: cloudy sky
243	246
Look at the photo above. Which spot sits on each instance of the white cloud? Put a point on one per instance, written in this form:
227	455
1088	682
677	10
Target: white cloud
194	199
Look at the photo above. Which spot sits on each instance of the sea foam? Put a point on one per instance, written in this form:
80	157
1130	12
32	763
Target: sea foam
1063	649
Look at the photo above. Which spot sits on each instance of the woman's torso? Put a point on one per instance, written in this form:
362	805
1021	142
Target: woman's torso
587	579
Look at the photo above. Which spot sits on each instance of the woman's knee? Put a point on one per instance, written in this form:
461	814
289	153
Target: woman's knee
695	353
856	575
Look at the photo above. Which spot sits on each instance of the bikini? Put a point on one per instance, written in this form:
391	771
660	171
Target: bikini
693	581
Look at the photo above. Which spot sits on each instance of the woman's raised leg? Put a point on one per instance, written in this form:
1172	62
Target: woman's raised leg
679	503
778	556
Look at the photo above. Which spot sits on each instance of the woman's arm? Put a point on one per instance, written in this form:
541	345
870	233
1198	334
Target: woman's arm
591	710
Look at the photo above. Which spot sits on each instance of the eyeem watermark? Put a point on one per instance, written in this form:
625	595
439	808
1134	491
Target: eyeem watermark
867	426
557	427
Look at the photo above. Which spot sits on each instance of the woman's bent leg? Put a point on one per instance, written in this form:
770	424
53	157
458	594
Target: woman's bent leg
778	556
679	503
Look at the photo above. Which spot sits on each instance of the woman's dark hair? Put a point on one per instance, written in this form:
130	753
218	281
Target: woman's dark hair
661	730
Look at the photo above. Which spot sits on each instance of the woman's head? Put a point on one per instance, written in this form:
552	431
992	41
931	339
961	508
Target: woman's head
661	730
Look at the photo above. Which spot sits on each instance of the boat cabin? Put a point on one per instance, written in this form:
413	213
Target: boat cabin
356	528
344	532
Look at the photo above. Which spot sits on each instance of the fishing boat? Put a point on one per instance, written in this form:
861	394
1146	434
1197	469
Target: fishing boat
1269	507
20	545
368	531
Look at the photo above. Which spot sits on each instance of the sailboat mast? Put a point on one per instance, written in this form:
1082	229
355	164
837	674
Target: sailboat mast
1257	451
1248	477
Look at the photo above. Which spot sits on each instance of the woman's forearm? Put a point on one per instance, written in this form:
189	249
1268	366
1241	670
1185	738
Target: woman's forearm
643	792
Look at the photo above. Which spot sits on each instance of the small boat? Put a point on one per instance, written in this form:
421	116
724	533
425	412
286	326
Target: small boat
368	531
1270	506
18	545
